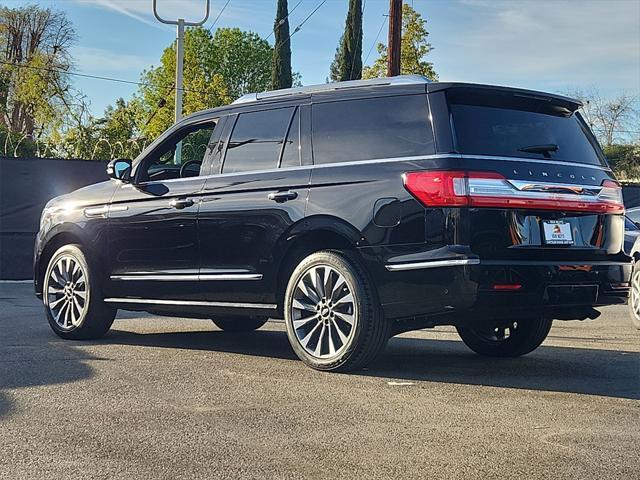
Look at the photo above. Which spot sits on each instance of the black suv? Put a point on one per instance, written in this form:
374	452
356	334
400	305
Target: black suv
356	211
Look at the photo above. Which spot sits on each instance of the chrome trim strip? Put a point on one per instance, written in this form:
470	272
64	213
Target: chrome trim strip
391	160
191	303
118	208
558	188
396	267
188	278
96	211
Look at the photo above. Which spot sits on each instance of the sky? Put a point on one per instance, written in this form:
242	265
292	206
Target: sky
548	45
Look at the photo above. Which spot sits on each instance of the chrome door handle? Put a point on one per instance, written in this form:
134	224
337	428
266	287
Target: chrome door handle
180	203
282	196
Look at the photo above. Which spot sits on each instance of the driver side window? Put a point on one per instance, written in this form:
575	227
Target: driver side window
181	155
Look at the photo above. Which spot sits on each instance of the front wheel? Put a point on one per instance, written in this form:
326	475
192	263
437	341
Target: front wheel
506	338
72	297
333	318
634	296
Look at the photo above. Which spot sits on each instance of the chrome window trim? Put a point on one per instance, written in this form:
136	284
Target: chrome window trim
398	267
435	156
192	303
187	278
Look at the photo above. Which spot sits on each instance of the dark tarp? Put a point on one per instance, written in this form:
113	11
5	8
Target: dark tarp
26	185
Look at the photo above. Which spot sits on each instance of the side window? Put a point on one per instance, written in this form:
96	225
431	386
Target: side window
373	128
179	156
291	151
256	140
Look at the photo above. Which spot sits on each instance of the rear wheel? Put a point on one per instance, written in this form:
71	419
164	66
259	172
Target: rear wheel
72	297
239	324
332	314
634	296
506	338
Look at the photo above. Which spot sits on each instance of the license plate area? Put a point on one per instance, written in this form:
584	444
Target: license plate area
571	294
557	232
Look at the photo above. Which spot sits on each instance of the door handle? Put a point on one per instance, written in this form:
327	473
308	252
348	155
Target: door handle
282	196
180	203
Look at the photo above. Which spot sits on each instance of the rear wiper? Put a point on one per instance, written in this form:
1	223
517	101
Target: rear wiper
544	149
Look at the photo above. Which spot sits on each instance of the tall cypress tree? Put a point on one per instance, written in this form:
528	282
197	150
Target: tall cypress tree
281	68
347	64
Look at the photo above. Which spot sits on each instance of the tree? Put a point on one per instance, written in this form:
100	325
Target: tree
347	64
614	120
414	49
34	85
624	160
217	69
281	71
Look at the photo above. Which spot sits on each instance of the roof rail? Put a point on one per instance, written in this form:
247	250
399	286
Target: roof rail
327	87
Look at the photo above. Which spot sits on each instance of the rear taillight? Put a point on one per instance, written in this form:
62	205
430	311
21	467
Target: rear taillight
491	190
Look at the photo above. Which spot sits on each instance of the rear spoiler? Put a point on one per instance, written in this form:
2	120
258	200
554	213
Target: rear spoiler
570	104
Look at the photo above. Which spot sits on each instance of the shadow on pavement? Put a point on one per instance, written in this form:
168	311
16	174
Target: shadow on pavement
30	354
557	369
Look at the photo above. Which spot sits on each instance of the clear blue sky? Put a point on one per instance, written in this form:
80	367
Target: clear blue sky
553	45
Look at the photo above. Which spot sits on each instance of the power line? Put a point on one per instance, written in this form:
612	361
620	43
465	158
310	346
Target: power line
296	30
384	21
219	14
282	21
87	75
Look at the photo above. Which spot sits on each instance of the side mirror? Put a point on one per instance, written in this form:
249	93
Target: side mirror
119	169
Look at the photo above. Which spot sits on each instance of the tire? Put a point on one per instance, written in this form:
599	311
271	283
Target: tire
506	340
341	331
634	296
72	297
239	324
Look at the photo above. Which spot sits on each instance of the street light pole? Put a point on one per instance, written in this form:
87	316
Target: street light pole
180	23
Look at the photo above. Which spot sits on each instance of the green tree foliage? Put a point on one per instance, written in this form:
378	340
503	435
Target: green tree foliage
414	49
115	135
347	64
217	69
281	71
624	160
35	94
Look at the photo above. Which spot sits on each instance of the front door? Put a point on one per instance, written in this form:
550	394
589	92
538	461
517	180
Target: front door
153	235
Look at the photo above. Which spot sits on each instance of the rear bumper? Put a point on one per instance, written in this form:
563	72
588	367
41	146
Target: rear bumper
456	283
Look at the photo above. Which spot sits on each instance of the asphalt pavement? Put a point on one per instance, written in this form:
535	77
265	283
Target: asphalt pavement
166	398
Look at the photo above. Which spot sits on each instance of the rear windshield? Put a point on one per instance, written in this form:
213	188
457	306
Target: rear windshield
522	128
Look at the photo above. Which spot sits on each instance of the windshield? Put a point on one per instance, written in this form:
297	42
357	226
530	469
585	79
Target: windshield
522	129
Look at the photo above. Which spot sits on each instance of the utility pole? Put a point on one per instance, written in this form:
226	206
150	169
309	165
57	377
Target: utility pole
395	38
180	23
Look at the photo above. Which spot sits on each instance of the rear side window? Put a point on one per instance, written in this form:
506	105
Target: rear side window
291	151
256	140
527	129
373	128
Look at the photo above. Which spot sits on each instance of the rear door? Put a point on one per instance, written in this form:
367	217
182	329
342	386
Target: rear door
258	193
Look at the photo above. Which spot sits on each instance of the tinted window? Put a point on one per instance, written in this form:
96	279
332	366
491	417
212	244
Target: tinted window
291	152
374	128
187	146
256	141
494	130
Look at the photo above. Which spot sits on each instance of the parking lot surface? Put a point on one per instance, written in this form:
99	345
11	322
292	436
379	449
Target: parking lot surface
177	398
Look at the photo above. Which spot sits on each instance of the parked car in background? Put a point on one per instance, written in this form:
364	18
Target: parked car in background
632	248
356	211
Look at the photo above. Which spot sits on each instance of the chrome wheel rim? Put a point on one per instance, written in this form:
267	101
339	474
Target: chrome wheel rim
67	292
635	294
323	312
